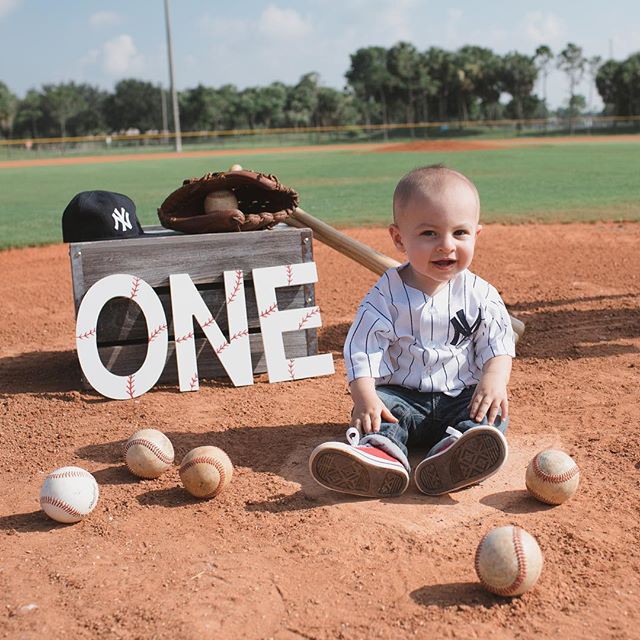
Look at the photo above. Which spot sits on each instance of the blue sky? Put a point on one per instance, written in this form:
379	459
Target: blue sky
250	43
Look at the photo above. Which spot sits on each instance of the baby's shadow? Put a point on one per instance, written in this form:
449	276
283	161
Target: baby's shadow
312	495
516	501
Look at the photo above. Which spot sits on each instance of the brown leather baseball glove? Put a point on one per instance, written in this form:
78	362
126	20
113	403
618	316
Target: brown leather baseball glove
262	202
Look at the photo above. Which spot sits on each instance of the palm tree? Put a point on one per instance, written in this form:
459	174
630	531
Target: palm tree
571	60
543	58
593	65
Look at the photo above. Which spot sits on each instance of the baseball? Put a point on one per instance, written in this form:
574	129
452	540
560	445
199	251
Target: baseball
148	453
508	561
552	476
68	494
235	167
220	201
205	471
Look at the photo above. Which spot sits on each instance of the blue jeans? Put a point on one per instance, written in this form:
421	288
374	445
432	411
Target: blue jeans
424	417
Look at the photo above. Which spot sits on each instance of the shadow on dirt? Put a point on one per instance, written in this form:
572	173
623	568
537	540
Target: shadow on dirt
331	337
261	448
40	371
281	450
115	475
515	502
562	302
29	522
173	497
455	595
575	334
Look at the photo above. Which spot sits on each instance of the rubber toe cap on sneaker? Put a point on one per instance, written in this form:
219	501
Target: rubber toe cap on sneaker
475	456
362	471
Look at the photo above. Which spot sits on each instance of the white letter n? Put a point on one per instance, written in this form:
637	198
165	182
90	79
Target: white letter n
234	353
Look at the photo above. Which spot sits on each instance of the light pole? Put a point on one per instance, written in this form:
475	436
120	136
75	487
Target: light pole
174	93
165	119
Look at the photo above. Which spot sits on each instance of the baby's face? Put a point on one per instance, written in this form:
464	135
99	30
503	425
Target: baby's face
438	234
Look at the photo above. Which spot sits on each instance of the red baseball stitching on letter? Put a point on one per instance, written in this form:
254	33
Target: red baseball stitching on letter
269	311
557	478
208	322
291	367
236	287
86	334
135	286
307	316
185	338
194	381
235	336
130	386
156	332
289	274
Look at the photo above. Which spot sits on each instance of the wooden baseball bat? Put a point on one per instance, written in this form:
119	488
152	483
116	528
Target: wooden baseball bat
358	251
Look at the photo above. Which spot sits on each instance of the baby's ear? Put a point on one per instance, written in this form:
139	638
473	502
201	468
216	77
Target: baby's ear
478	230
394	232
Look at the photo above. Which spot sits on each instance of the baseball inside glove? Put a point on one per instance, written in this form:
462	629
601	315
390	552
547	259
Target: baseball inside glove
262	203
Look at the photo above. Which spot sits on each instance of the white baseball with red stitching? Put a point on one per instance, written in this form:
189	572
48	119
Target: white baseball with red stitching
206	471
68	494
148	453
552	476
508	561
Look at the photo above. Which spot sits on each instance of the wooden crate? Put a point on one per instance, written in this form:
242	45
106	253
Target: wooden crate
122	331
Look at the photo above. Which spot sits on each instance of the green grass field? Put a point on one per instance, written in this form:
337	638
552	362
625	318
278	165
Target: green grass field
554	182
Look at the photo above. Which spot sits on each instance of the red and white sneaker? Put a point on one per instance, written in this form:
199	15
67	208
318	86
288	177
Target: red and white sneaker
359	470
462	459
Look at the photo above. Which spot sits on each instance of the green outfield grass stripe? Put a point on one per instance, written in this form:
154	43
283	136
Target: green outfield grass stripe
561	182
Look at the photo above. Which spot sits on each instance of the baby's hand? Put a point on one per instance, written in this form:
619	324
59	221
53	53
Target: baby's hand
367	416
489	397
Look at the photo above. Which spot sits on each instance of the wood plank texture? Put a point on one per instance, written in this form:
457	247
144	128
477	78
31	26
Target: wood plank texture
204	256
122	331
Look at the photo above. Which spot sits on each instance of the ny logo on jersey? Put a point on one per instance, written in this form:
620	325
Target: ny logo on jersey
121	218
462	328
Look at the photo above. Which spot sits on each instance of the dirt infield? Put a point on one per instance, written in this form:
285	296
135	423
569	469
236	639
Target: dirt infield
492	145
433	146
129	157
275	556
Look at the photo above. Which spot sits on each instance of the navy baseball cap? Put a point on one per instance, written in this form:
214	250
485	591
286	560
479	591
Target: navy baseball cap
100	215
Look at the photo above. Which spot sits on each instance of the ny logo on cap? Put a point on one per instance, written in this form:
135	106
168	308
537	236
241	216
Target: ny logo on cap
121	217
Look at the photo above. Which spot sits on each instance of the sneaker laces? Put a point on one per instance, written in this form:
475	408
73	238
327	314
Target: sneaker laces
353	436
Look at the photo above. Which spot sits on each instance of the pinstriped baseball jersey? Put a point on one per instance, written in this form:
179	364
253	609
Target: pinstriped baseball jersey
402	336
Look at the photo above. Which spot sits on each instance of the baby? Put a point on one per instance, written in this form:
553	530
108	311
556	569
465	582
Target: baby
428	356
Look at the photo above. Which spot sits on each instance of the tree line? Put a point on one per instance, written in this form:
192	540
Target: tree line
396	85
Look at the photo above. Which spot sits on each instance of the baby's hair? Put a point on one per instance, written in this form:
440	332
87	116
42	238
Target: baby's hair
423	180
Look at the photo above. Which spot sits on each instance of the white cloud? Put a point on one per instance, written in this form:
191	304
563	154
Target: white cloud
622	45
283	23
452	28
7	6
399	19
120	56
105	19
541	28
226	28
